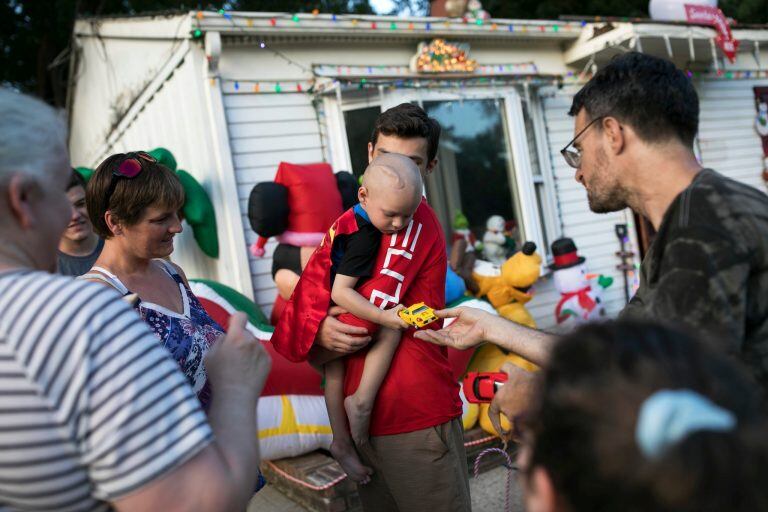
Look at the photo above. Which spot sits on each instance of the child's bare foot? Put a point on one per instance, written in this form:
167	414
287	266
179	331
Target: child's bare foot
346	456
359	416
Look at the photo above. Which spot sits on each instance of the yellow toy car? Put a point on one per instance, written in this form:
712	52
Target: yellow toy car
418	315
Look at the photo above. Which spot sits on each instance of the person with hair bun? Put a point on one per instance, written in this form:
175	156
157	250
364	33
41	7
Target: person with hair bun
633	416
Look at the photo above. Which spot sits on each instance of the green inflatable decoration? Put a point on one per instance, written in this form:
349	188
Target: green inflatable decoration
198	209
460	220
164	157
85	172
240	302
199	213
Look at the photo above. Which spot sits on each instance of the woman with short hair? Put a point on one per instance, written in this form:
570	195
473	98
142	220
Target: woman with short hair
134	204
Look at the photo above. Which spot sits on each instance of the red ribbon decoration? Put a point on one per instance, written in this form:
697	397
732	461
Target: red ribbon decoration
706	15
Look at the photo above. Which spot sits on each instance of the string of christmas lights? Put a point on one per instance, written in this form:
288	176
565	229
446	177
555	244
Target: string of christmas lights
324	85
332	70
362	23
233	86
733	74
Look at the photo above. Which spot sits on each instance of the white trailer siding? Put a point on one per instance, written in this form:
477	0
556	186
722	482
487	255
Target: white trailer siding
728	141
593	234
118	62
174	108
265	129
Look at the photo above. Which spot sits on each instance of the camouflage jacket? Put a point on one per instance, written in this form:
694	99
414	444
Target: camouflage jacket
708	268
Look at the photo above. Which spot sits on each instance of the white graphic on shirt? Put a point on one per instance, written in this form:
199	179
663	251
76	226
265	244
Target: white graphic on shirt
394	259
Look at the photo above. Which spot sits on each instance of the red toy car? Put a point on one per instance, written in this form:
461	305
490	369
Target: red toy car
479	387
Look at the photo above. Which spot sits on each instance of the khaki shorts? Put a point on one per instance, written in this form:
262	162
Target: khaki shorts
418	471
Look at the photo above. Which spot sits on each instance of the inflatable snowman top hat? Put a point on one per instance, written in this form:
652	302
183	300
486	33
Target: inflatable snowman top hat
565	255
579	301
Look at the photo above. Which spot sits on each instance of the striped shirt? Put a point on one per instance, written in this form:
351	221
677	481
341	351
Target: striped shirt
91	406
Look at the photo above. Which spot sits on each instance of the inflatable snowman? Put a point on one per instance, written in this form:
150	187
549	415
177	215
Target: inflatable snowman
579	300
494	240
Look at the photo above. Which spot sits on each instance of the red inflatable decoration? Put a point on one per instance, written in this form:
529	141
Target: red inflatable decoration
314	202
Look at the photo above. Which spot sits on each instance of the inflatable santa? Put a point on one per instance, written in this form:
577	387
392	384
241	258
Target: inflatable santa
300	204
297	208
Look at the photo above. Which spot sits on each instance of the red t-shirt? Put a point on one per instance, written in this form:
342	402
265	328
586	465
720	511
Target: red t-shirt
419	390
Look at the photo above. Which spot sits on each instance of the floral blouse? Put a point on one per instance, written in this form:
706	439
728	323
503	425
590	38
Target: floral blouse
187	336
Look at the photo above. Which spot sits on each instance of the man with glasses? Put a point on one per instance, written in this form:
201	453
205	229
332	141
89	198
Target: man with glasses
635	124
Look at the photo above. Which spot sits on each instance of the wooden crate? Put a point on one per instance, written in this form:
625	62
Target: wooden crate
316	481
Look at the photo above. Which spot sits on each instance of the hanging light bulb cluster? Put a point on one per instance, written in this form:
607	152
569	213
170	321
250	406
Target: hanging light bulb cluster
440	56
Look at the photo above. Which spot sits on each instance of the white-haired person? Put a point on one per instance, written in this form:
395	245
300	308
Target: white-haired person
94	414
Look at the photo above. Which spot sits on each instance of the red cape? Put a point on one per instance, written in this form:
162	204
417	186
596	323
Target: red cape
410	267
308	306
395	268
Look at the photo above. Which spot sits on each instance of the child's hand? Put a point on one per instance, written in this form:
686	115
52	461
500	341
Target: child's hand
390	318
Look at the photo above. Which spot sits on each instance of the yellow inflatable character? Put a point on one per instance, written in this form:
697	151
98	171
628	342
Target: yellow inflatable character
490	358
508	291
507	287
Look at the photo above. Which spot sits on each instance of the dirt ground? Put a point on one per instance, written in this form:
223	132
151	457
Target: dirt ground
488	495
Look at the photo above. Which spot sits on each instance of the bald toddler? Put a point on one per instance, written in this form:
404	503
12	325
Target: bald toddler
389	195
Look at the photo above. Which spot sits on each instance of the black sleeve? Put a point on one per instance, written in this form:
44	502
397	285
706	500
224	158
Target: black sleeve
703	279
360	254
286	257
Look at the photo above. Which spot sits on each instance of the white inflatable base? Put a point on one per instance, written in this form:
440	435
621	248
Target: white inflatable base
291	425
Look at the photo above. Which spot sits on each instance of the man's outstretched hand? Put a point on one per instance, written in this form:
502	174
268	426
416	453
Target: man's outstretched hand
466	331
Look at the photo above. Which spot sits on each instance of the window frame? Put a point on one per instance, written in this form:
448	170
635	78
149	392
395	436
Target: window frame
334	107
551	210
524	186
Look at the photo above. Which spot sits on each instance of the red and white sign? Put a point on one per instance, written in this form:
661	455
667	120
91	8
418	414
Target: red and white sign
706	15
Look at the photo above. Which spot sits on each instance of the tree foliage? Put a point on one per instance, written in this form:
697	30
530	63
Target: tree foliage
410	7
35	35
744	11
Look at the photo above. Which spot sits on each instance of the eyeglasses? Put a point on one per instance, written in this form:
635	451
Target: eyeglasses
129	168
573	156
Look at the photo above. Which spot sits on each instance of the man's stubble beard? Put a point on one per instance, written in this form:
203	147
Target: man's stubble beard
609	196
